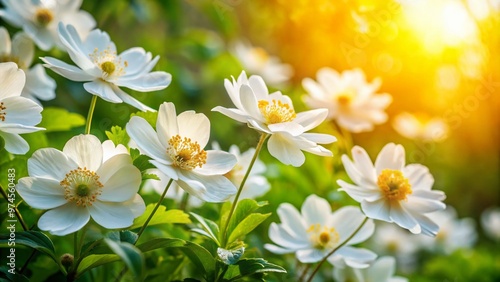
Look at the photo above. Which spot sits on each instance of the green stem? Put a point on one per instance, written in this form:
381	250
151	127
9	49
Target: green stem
335	249
16	211
262	139
90	114
304	272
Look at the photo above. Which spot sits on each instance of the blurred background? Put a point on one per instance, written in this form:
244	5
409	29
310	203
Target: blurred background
438	59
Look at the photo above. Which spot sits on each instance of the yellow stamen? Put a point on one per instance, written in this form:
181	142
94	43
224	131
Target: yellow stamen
185	153
108	67
394	185
44	16
323	237
109	62
81	186
276	111
3	113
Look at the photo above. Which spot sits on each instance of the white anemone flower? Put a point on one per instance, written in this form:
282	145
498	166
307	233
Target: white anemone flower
81	182
350	99
177	150
490	221
18	114
258	61
392	191
453	233
421	127
316	231
382	270
274	114
39	19
98	63
20	51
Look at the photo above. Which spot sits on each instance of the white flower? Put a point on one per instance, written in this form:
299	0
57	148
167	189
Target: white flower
98	62
490	221
257	61
80	182
317	231
18	114
39	19
421	127
392	191
350	99
176	149
382	270
274	114
20	51
453	233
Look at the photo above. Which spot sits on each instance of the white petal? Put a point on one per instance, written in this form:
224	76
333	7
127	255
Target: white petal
168	170
382	269
76	48
346	220
218	162
292	221
166	123
194	126
152	81
50	163
23	111
18	128
285	151
214	188
311	119
377	209
235	114
363	163
364	233
102	89
111	215
12	80
122	185
291	128
23	48
428	227
249	102
392	156
402	218
39	84
5	43
319	138
109	150
64	220
359	193
41	193
14	143
310	255
259	87
85	150
136	205
356	257
316	210
130	100
42	37
423	205
146	139
69	71
418	176
277	250
283	237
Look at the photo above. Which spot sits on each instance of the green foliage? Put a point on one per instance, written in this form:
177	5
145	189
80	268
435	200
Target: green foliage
150	117
140	161
33	239
251	267
162	216
132	256
92	261
118	135
210	228
59	119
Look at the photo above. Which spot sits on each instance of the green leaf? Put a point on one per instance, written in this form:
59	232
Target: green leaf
118	135
140	161
5	275
33	239
122	236
247	225
150	117
132	256
92	261
146	176
210	228
243	209
162	216
232	255
59	119
251	266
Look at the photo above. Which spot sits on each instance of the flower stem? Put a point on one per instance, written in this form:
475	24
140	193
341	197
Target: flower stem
335	249
262	139
90	114
16	211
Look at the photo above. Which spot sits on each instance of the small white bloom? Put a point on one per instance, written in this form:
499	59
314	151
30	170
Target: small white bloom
274	114
392	191
97	61
81	182
420	127
490	221
18	114
39	19
382	270
350	99
257	61
176	149
316	231
20	51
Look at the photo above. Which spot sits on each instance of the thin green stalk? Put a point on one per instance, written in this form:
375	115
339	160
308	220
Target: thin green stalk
334	250
304	272
16	211
235	202
90	114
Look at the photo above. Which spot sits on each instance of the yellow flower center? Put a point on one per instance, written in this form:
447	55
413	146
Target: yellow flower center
43	16
185	153
9	58
276	111
394	185
81	186
109	62
345	98
323	237
3	113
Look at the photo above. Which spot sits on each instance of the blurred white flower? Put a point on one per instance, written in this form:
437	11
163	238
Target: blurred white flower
420	127
82	182
257	61
98	62
350	99
176	149
392	191
453	233
18	114
317	231
382	270
274	114
490	221
20	51
39	19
